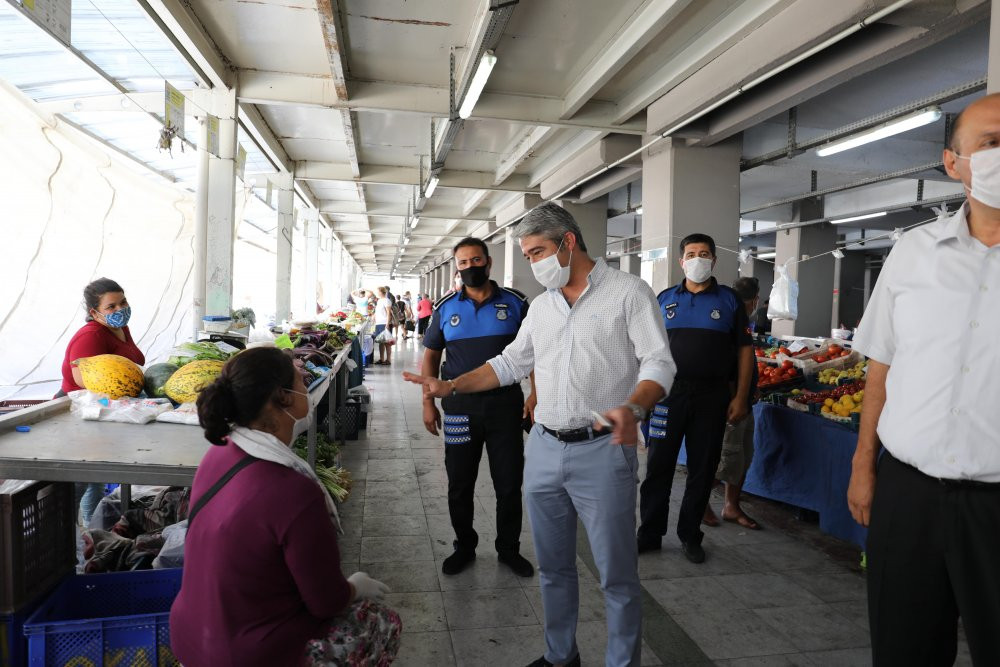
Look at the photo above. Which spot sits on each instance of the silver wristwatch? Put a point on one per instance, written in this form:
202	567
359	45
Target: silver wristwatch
637	410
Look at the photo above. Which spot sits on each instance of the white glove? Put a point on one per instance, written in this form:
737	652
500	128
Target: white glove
366	587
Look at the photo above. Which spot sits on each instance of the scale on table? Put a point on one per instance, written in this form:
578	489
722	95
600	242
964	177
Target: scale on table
217	330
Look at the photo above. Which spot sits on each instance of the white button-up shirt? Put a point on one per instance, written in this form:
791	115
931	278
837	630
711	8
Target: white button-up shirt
934	318
590	356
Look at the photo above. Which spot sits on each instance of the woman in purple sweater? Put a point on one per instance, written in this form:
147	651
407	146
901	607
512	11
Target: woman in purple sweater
262	582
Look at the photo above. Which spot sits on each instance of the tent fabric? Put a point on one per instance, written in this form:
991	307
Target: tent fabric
76	211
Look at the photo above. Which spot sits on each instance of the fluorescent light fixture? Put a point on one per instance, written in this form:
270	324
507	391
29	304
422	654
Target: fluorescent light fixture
855	218
431	186
406	241
486	64
901	124
416	219
767	255
638	211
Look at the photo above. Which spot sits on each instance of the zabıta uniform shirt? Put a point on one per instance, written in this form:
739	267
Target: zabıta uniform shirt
471	334
705	329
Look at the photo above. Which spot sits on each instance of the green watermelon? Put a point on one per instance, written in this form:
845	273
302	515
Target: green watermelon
156	376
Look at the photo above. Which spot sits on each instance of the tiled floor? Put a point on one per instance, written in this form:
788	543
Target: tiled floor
762	598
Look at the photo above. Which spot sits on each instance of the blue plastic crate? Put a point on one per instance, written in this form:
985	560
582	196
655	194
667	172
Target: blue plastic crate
120	618
13	645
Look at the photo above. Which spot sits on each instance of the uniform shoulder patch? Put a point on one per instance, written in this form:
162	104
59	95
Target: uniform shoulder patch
518	294
439	302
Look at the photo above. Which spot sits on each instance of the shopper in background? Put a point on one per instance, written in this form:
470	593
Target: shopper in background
931	501
761	323
474	325
106	332
595	342
737	443
262	583
383	315
391	324
400	311
411	316
361	300
424	310
709	336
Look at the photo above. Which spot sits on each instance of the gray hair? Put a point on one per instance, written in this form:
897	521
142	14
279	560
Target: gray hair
550	221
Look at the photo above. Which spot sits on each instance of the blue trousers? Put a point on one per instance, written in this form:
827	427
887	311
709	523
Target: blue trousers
595	481
88	495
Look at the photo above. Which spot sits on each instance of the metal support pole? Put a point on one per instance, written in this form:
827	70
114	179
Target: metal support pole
200	229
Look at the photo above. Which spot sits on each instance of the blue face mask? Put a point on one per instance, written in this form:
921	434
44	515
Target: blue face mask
119	318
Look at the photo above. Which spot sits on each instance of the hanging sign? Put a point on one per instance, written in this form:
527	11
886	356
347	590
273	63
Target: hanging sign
53	15
213	135
241	161
270	188
173	114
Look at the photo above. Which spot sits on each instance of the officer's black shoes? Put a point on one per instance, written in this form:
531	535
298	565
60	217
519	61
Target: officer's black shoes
458	561
648	544
542	662
518	563
693	552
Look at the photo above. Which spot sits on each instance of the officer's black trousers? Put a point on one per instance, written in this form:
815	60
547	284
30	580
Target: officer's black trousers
501	432
697	416
933	552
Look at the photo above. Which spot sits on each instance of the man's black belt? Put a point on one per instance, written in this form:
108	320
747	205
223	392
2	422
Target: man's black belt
949	483
574	434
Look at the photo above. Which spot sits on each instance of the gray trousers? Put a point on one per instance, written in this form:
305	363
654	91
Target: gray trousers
595	481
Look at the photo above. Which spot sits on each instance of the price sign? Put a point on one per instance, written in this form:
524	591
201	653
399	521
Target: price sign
241	161
213	135
173	113
53	15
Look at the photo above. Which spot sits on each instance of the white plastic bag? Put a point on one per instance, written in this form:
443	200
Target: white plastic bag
384	337
784	303
172	553
91	406
186	413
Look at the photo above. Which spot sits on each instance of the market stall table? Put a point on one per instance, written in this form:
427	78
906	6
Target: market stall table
61	447
805	460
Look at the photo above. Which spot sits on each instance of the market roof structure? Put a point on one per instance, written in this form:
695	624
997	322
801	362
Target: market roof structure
360	99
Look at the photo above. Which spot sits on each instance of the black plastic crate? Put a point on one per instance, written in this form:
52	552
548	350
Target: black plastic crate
348	419
37	533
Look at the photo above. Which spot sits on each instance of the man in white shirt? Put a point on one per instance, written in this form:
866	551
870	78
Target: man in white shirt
932	500
597	344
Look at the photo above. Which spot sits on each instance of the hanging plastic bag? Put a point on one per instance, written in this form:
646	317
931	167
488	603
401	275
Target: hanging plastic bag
384	337
784	303
367	345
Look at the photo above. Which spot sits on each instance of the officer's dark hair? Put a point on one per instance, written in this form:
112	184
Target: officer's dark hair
747	288
93	292
470	242
698	238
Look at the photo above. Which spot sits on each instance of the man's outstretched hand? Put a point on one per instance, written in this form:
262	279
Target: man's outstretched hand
433	387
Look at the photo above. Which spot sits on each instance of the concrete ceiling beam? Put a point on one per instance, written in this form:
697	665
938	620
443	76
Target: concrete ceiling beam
260	87
647	22
869	50
797	28
591	161
385	175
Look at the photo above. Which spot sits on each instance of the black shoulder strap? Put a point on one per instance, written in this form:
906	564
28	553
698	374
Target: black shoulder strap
208	495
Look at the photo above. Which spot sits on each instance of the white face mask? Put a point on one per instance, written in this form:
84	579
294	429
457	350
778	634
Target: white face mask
985	166
549	272
698	269
301	425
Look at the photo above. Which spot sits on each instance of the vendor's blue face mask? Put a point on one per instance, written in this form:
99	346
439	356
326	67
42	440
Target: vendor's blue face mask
119	318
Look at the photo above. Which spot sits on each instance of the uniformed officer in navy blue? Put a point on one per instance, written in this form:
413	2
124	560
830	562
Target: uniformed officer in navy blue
709	335
473	325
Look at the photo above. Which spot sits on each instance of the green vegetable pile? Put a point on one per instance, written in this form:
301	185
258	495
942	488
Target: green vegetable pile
197	352
336	480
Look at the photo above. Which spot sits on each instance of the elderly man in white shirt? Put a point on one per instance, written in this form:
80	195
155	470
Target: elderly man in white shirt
932	500
597	344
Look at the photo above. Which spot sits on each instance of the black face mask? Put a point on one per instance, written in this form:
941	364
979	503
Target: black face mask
475	276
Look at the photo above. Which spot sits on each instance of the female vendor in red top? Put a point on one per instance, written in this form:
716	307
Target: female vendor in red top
262	583
106	332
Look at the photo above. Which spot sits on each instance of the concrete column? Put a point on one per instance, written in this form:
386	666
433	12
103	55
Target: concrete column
852	285
815	276
310	230
200	229
499	256
221	209
630	264
993	67
517	271
593	220
286	231
763	272
688	189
